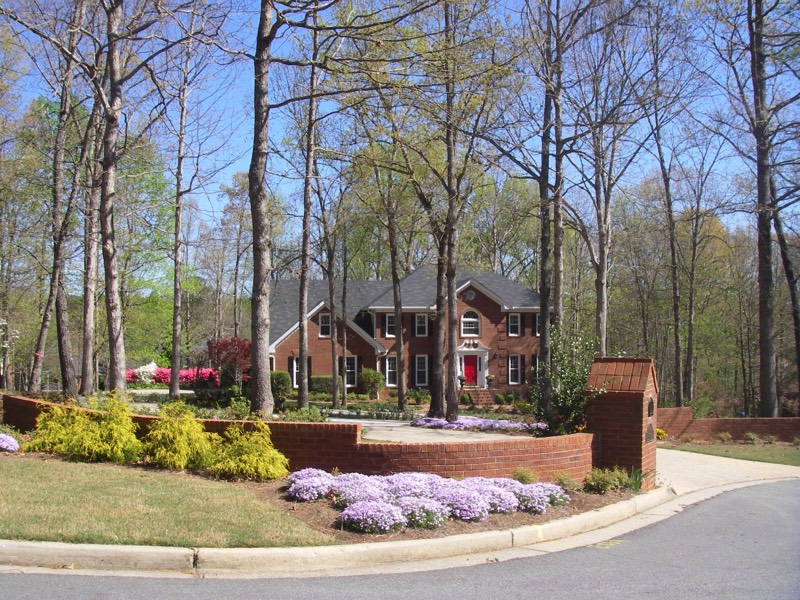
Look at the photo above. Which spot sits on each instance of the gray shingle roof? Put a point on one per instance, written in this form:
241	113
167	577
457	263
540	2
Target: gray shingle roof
418	290
285	298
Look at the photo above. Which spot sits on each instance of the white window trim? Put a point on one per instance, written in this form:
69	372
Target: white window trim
295	372
518	317
515	381
394	357
536	324
394	326
354	371
477	320
420	318
417	371
328	318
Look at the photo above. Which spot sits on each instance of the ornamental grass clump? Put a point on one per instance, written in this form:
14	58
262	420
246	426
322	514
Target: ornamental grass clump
8	443
370	516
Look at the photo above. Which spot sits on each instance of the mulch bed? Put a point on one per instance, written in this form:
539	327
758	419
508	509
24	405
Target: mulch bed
321	515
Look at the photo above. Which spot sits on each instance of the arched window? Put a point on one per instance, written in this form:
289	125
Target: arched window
470	324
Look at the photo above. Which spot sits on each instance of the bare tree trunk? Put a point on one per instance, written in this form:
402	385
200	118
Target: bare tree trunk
768	392
90	243
69	383
398	310
791	281
177	256
115	379
261	400
59	222
305	247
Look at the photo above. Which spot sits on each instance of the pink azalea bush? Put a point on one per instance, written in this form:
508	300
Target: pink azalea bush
189	378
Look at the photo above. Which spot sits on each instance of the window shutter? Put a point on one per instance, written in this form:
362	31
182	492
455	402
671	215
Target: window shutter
523	376
308	369
383	326
290	369
521	324
412	369
413	325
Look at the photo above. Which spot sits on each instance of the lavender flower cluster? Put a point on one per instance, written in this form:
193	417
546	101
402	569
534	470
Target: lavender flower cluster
467	423
378	504
8	443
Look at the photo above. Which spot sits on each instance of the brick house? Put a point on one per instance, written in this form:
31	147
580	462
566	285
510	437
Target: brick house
498	337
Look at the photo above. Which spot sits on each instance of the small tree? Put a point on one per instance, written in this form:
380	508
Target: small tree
371	382
572	363
231	358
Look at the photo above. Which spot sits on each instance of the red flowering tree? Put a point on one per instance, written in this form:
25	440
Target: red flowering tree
230	357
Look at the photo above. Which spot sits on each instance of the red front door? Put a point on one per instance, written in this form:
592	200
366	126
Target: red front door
470	370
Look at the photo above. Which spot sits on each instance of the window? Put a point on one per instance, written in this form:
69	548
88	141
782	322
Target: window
324	325
470	324
421	325
391	371
535	367
537	323
351	371
294	369
514	324
421	370
514	368
389	330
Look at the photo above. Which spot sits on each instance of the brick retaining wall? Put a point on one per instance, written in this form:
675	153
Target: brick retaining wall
678	423
338	445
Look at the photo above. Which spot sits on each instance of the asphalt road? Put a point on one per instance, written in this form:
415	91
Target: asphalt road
744	544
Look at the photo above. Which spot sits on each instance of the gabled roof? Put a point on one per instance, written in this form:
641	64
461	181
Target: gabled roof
418	290
284	301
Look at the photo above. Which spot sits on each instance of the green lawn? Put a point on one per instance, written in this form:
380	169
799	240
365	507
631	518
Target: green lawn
784	454
53	500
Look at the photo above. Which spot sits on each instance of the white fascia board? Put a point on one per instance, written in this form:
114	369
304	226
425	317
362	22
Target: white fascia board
274	345
484	290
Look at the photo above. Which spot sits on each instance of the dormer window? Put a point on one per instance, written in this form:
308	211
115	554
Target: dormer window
470	324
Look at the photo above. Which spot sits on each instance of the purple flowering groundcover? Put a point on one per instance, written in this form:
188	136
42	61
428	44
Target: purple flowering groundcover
381	504
466	423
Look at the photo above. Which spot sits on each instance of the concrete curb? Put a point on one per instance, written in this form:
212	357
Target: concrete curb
57	555
297	562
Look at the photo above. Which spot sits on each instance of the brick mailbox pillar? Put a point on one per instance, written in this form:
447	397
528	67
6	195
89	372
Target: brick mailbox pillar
623	415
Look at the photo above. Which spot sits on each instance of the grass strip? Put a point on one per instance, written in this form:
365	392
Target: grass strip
53	500
782	454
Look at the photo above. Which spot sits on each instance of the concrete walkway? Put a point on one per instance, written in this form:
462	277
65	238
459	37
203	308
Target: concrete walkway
685	478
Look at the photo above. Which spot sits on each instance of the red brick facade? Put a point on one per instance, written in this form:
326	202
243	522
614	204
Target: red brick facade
489	349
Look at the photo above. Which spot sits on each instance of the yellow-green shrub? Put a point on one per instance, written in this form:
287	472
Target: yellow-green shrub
178	440
249	455
107	433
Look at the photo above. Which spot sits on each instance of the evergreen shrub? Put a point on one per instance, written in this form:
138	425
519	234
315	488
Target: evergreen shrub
106	433
178	440
249	455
